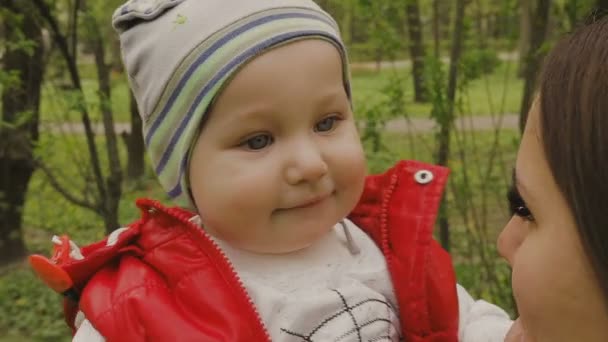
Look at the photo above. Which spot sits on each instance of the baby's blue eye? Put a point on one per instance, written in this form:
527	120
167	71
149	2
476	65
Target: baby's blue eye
259	142
326	124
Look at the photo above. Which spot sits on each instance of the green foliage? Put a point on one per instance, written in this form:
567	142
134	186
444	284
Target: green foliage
569	13
382	19
478	62
9	79
437	89
14	39
375	117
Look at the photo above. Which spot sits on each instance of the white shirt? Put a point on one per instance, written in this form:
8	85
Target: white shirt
323	292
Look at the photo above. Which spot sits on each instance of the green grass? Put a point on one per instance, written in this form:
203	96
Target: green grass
498	92
14	338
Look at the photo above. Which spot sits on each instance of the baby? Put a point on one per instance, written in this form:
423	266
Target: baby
248	122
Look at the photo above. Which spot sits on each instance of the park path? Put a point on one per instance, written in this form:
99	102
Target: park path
400	125
398	64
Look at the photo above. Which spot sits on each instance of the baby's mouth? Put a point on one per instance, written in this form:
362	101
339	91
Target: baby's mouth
311	202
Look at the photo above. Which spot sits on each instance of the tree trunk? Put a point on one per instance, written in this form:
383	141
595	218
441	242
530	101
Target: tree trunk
481	36
61	42
20	113
525	32
114	180
347	21
532	61
448	118
135	144
436	32
416	50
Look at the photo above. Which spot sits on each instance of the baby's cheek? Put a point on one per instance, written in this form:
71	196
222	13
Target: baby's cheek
351	184
351	165
352	157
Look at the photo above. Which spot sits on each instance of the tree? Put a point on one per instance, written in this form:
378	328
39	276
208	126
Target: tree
436	30
533	58
525	32
23	63
135	143
107	194
134	139
479	24
416	49
114	180
381	33
446	115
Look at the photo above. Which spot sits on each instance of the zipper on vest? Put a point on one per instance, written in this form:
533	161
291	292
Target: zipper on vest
384	222
224	262
384	242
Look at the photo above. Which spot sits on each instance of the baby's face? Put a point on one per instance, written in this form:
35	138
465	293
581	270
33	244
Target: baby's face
279	161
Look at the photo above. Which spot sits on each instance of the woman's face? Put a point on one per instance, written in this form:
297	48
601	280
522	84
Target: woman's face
555	288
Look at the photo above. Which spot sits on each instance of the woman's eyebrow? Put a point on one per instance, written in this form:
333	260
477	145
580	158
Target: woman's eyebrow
519	186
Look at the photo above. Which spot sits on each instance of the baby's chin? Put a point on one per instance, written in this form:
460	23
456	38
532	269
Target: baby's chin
274	250
279	247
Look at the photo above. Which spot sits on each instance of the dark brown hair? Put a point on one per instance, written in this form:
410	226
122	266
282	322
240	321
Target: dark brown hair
574	133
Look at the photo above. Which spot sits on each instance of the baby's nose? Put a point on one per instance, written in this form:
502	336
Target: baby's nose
306	165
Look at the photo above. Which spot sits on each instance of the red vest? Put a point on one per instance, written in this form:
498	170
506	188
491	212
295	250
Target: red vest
165	280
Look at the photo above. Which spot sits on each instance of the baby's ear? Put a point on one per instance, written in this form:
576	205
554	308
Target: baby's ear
134	12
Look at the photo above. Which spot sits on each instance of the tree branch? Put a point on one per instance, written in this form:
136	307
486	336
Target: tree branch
81	202
74	75
74	28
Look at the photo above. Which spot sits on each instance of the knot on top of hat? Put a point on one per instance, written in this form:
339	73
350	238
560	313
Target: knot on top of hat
134	11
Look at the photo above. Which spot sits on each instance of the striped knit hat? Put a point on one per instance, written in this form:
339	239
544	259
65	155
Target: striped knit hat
180	53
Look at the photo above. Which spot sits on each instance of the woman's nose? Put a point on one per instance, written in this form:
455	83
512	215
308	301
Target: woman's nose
511	237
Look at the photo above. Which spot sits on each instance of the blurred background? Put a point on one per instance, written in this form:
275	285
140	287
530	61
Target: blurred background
443	81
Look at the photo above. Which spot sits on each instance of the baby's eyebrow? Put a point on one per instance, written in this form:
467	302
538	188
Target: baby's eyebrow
331	96
255	112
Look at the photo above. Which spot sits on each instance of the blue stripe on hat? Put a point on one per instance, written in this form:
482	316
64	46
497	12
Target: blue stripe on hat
212	49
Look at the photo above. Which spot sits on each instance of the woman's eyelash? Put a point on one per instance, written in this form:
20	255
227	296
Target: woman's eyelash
518	206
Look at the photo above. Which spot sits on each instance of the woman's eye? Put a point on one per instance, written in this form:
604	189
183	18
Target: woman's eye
258	142
518	206
523	212
326	124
